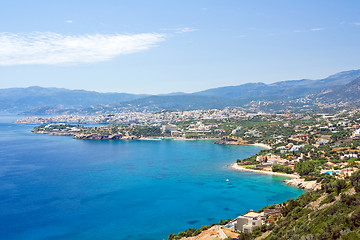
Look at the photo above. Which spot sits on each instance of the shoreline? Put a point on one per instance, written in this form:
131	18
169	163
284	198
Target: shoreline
261	145
236	167
154	138
237	143
149	139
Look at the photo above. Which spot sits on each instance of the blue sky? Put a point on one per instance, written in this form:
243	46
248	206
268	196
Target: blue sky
141	46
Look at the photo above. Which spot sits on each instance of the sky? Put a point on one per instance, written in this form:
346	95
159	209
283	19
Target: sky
163	46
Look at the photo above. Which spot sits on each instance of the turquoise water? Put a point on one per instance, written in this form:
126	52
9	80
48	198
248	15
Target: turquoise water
331	172
55	187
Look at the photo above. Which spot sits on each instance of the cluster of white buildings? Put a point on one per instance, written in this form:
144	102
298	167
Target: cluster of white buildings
290	147
49	127
271	159
252	133
236	130
350	155
170	128
199	127
144	117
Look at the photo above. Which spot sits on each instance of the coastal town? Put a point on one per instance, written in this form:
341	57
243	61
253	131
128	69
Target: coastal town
180	120
133	117
318	153
312	150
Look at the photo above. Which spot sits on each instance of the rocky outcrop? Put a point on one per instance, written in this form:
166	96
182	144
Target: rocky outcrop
301	183
226	142
53	133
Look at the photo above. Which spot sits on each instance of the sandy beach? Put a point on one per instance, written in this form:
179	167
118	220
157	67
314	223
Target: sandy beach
262	145
236	167
149	139
183	139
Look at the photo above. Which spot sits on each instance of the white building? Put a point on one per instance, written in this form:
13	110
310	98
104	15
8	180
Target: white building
235	130
168	128
350	155
356	134
248	222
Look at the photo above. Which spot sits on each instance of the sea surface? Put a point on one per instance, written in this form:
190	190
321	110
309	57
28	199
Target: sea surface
56	187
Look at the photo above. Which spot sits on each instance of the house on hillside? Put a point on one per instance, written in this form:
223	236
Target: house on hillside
347	172
273	212
275	159
248	222
330	165
322	141
356	134
350	155
261	158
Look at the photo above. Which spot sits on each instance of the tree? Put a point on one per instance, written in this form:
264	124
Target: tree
281	168
339	184
355	180
244	236
304	168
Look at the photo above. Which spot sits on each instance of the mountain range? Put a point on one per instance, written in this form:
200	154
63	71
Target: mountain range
23	99
340	87
293	88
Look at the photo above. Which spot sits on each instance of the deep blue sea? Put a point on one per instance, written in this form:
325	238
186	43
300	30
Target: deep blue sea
56	187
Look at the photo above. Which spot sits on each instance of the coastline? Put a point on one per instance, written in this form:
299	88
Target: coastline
153	138
294	180
241	143
236	167
149	139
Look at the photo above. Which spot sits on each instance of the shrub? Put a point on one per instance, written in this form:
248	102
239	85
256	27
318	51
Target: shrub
329	198
355	217
355	180
244	236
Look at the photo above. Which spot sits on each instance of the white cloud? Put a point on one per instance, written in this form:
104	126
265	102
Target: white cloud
69	21
180	30
186	29
357	23
309	30
316	29
54	48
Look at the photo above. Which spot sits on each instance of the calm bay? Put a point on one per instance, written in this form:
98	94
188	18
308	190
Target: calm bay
56	187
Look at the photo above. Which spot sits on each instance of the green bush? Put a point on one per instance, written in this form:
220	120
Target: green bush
355	217
304	168
244	236
281	168
355	180
329	198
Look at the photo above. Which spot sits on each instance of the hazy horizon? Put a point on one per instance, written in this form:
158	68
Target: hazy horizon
168	93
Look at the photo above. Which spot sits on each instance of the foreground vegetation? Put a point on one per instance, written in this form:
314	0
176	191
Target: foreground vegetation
330	213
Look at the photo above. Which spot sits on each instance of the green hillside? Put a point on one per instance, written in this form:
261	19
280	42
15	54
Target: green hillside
330	213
